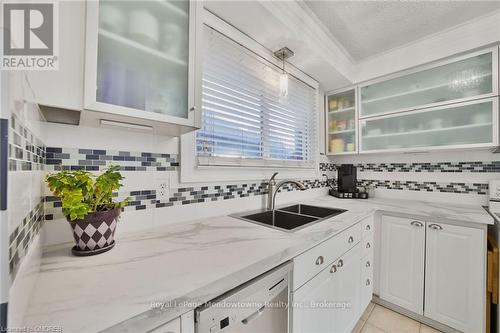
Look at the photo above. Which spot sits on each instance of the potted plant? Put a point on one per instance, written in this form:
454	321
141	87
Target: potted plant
87	204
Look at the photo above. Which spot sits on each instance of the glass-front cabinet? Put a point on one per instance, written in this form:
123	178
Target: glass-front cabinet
140	61
464	78
341	122
463	125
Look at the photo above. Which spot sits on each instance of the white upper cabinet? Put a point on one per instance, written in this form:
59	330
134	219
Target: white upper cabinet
140	62
465	125
63	88
460	79
341	122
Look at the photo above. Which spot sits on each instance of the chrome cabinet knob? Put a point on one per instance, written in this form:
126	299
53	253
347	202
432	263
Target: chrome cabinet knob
320	260
434	226
368	245
351	239
333	269
417	224
368	264
367	282
368	227
340	263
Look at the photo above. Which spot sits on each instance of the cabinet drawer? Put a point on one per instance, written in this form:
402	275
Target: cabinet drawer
310	263
367	244
367	265
367	226
366	286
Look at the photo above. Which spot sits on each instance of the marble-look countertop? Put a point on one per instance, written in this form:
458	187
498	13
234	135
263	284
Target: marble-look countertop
156	275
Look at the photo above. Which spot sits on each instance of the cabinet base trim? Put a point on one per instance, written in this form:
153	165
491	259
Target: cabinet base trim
422	319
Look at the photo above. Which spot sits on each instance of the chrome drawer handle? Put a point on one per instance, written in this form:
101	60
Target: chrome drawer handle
417	224
368	264
368	245
367	282
435	226
320	260
340	263
368	227
333	269
351	239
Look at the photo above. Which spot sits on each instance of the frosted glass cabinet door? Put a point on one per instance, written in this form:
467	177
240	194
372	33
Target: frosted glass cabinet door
467	78
341	122
142	57
459	125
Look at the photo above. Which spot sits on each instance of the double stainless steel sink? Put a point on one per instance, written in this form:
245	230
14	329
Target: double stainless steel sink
290	218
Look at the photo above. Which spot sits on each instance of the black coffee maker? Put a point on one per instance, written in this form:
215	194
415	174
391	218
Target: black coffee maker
347	183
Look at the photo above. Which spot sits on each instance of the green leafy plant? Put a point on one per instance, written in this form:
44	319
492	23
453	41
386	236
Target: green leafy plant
82	193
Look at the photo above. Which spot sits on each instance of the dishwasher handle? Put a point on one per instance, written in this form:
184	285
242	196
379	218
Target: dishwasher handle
253	316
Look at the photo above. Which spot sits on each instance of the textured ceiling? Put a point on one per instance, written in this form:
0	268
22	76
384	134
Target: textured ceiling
366	28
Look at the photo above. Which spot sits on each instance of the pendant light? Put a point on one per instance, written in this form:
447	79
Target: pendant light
283	54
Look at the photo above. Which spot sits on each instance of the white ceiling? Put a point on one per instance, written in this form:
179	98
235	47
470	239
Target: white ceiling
331	39
255	21
367	28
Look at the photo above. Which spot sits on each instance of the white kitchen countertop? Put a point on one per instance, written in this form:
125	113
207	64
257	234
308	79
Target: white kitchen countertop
186	264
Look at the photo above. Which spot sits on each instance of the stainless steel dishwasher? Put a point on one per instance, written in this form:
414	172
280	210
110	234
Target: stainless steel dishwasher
260	305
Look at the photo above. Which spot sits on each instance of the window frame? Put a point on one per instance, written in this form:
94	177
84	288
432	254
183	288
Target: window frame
192	172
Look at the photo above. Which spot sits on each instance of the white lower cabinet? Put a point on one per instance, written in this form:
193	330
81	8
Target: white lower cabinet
455	279
402	248
434	269
367	244
330	302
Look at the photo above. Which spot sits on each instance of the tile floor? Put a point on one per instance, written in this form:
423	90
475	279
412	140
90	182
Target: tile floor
377	319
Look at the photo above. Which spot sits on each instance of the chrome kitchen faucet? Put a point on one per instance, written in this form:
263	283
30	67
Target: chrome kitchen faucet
273	188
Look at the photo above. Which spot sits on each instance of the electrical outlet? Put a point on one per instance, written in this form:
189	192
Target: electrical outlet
162	189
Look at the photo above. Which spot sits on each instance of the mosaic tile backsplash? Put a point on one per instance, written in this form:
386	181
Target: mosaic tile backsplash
22	236
483	167
26	151
147	199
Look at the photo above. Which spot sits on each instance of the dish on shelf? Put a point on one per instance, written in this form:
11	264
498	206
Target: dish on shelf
480	118
112	18
336	145
143	28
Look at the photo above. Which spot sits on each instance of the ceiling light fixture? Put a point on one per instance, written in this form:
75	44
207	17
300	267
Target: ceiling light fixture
283	54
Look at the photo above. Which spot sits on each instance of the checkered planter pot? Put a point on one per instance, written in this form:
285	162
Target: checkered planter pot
96	230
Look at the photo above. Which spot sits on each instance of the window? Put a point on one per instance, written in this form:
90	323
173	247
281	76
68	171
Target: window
244	122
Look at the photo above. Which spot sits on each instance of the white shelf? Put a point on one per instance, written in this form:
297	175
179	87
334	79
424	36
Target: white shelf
342	132
434	130
141	48
341	110
172	8
405	93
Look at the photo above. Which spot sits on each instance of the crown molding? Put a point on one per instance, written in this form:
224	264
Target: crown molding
478	33
301	22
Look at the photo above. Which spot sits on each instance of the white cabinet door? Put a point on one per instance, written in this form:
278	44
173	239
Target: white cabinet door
63	88
347	291
402	262
140	61
455	276
308	316
341	122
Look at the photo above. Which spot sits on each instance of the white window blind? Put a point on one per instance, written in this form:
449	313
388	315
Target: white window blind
243	120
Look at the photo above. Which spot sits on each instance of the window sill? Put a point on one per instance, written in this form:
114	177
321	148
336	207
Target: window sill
192	173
